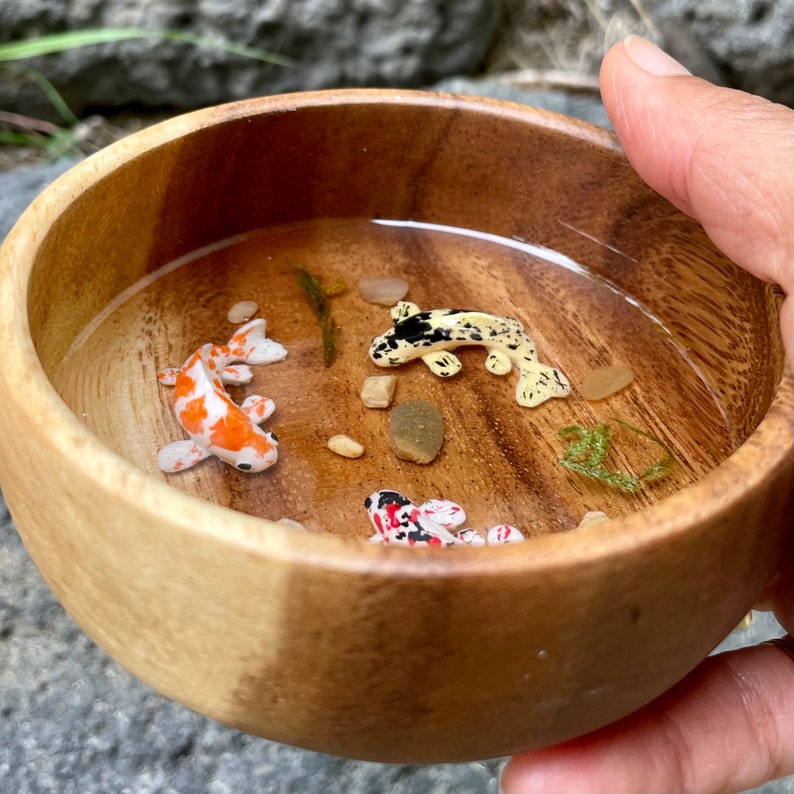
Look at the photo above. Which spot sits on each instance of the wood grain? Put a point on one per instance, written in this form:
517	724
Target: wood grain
500	461
317	638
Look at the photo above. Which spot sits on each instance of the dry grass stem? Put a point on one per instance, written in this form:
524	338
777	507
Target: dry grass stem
546	79
565	36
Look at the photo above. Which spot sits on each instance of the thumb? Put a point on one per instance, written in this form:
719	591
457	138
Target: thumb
722	156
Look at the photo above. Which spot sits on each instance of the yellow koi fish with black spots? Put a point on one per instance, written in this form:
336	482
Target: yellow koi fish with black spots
431	335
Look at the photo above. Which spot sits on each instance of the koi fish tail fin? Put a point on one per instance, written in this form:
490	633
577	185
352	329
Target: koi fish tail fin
251	345
538	383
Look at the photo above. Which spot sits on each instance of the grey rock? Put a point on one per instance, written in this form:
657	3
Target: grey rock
579	106
334	43
680	41
750	42
21	186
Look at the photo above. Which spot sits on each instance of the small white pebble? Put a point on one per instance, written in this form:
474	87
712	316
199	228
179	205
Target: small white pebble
378	391
382	290
288	522
345	446
242	312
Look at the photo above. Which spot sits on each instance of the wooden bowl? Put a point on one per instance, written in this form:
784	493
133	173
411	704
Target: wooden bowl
130	262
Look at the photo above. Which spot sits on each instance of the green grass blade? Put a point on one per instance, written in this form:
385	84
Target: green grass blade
48	89
58	42
20	139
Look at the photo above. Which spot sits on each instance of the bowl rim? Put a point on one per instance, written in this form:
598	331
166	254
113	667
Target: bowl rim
768	446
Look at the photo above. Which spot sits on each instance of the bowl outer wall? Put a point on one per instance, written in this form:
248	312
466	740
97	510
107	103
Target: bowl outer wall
356	650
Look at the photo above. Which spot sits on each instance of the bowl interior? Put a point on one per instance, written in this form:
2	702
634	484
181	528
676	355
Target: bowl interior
477	205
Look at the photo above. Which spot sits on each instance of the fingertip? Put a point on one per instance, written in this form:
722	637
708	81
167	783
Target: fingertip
644	107
652	59
637	52
629	78
625	59
609	64
720	155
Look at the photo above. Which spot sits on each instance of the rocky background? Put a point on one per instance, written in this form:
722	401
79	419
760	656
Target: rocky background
71	719
536	44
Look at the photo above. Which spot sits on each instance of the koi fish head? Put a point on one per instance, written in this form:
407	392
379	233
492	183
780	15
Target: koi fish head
410	338
398	520
417	333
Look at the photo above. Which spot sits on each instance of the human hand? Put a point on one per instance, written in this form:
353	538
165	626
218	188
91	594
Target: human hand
727	159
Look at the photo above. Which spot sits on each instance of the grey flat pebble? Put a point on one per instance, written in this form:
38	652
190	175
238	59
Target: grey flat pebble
416	431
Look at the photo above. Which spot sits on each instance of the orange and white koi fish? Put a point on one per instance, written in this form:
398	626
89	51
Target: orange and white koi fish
215	423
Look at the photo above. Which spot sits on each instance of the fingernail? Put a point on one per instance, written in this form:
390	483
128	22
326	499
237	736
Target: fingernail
650	58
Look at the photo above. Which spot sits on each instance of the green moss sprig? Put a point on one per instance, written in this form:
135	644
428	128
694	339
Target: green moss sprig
317	296
590	447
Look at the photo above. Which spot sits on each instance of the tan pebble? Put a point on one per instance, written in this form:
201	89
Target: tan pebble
345	446
242	312
383	290
416	432
378	391
601	382
592	517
